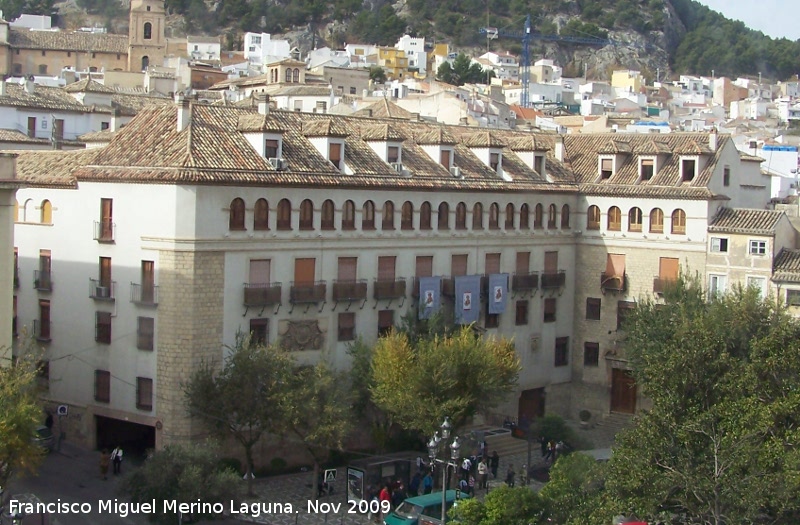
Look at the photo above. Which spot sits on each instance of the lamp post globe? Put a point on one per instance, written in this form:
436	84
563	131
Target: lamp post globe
446	428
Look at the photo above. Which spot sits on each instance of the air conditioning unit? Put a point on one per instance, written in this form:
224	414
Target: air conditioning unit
455	171
398	167
278	164
102	291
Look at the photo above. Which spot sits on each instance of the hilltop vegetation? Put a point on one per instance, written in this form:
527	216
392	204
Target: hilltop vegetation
694	38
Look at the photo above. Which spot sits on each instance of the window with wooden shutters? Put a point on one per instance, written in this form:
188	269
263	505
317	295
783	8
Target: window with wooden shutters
385	322
145	333
593	308
550	310
259	271
31	126
106	232
521	313
284	215
444	216
494	161
591	354
552	217
148	292
42	328
349	216
58	129
424	266
261	215
623	309
550	262
477	216
326	222
346	326
565	217
271	148
524	217
606	168
444	158
393	154
105	272
259	331
348	269
407	216
368	216
523	263
335	155
679	222
668	270
635	220
47	212
656	221
647	168
561	357
492	263
387	216
386	268
306	215
458	265
236	220
494	216
425	216
43	277
461	216
538	217
102	331
144	393
304	271
509	224
614	219
102	386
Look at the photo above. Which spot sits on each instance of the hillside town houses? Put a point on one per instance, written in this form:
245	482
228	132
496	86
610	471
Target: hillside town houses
160	196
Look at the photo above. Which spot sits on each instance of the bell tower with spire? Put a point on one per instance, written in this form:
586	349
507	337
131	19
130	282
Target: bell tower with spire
146	41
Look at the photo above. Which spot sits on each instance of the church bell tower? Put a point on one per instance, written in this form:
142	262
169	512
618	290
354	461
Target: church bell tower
146	42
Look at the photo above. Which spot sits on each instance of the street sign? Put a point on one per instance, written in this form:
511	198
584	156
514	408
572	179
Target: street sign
330	475
62	410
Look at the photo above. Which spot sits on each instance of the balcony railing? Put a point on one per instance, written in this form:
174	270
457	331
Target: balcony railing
41	330
393	289
308	292
104	231
552	280
661	283
144	295
525	282
101	291
262	294
613	283
43	281
350	290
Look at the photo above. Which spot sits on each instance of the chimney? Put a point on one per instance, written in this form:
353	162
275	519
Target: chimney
8	166
463	121
184	111
30	87
713	140
263	103
114	126
558	149
414	117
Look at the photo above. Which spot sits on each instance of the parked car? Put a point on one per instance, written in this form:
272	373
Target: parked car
44	438
423	510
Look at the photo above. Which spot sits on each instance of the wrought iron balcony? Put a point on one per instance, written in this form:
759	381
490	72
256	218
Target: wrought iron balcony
350	290
104	231
613	283
43	280
308	292
144	295
393	289
262	294
552	280
525	282
102	291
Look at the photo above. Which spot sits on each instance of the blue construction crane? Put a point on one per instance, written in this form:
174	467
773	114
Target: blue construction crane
526	36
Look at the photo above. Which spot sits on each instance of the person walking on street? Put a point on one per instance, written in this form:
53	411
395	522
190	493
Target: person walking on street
510	475
483	474
105	459
494	462
116	460
427	483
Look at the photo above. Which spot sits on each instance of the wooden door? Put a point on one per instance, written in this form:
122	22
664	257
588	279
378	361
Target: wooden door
304	271
44	319
106	219
531	405
550	262
105	272
148	281
623	391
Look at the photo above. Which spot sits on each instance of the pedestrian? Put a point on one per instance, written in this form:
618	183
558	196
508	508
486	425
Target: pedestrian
398	495
495	464
483	474
471	484
416	481
466	467
510	475
105	459
385	495
116	460
427	483
551	451
543	443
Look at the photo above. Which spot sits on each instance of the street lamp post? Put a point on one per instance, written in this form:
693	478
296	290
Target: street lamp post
455	451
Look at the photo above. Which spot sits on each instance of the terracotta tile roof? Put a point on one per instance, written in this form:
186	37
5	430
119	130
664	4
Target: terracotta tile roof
97	136
652	147
786	266
52	167
325	127
87	85
483	139
12	135
130	104
258	122
436	135
63	41
302	90
741	220
45	97
384	109
528	142
615	146
381	133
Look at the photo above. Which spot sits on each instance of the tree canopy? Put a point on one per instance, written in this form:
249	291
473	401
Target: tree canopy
463	71
502	506
456	376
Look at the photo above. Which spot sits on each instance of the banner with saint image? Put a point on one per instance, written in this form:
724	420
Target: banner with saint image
468	299
498	290
429	296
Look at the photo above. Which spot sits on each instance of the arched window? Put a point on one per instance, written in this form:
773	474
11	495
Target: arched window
407	216
349	216
494	216
656	221
635	220
477	216
47	212
593	218
261	215
284	215
296	75
387	216
443	217
551	217
327	215
368	216
509	216
461	216
614	219
425	216
145	62
148	31
28	214
524	217
538	217
288	75
307	215
236	218
679	222
565	217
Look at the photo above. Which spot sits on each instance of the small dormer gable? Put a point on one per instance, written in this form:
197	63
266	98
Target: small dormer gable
652	156
90	92
489	149
611	157
439	144
328	138
387	142
265	134
691	157
532	152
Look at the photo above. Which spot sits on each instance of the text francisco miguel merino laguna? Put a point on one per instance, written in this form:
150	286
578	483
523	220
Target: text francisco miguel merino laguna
123	508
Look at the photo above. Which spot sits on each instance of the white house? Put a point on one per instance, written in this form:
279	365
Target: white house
259	46
204	48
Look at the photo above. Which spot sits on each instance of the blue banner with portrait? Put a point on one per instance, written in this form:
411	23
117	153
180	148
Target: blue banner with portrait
498	289
467	300
429	296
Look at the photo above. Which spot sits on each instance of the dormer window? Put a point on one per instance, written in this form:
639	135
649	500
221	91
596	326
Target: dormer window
647	168
538	164
335	154
272	148
688	169
393	154
446	158
494	161
606	168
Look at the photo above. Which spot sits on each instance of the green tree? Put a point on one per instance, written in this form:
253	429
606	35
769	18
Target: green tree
574	489
20	411
456	376
502	506
377	74
184	473
463	71
247	398
720	444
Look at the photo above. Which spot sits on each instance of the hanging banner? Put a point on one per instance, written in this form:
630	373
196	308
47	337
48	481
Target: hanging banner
429	296
467	300
498	289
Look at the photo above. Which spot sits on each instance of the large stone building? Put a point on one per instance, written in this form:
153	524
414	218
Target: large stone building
140	259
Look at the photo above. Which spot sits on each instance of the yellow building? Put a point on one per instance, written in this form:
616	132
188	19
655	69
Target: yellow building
394	62
627	79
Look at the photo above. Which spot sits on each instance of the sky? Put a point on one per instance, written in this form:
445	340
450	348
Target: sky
775	18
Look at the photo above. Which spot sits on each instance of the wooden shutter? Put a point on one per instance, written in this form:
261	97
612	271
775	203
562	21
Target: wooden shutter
523	263
444	158
304	271
44	261
144	393
44	319
386	267
492	264
606	165
550	262
347	269
335	154
259	271
105	272
668	269
615	265
424	266
458	265
31	127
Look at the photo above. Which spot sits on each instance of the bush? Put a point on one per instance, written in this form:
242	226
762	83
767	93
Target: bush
585	415
233	464
277	465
